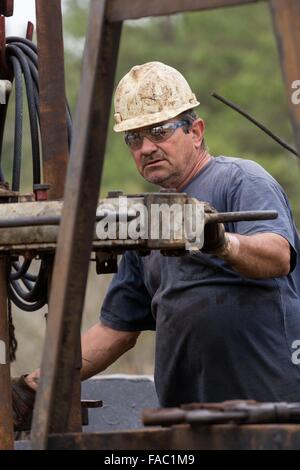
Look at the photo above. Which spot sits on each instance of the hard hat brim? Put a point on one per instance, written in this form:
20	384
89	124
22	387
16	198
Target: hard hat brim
154	118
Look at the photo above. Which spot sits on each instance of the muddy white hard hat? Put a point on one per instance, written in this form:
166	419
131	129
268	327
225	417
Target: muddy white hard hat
149	94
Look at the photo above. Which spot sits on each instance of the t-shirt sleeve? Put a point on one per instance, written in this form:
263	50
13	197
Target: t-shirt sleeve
256	192
127	304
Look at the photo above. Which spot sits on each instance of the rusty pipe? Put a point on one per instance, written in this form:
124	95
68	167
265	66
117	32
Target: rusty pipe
6	420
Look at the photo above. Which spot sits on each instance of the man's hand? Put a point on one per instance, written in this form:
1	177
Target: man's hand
261	255
23	398
215	241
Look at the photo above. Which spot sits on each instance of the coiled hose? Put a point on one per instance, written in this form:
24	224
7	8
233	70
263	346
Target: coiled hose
27	291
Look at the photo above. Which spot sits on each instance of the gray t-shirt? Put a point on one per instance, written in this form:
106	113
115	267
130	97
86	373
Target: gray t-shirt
219	335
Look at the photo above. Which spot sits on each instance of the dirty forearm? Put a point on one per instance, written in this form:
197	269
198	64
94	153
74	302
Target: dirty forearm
101	346
262	255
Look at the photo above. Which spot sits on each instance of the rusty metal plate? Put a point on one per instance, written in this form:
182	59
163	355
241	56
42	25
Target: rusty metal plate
52	95
120	10
184	437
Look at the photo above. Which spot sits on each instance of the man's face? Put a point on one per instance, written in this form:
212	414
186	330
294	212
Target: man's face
168	163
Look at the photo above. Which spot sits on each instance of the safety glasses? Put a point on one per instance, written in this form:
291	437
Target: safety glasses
157	134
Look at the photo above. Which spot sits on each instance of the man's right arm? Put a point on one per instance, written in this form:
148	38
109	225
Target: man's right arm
101	346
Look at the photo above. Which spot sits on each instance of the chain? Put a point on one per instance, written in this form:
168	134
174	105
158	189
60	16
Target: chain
13	343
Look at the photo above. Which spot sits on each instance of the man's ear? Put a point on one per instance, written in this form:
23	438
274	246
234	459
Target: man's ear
197	131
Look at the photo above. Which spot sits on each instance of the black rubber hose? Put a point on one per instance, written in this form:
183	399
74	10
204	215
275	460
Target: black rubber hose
32	61
25	41
29	296
13	50
3	113
28	51
27	283
35	78
16	176
41	277
33	64
28	291
25	306
34	74
22	269
28	276
38	290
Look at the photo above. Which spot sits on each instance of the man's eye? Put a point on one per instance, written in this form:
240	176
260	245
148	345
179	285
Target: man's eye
133	137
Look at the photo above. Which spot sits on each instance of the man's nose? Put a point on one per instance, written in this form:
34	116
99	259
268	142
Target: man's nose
148	147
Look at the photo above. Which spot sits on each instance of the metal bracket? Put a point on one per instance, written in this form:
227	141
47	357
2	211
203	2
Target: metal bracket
106	263
85	406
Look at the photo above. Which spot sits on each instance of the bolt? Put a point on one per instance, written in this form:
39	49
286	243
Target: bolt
168	190
41	192
115	193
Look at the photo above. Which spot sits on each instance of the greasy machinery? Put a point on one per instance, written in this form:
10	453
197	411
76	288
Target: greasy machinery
42	225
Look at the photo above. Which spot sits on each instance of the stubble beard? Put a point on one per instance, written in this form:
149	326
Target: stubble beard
163	180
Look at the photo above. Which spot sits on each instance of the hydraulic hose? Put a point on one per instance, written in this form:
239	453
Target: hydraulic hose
27	291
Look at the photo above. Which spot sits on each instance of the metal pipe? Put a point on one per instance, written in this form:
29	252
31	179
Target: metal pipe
258	124
223	217
52	220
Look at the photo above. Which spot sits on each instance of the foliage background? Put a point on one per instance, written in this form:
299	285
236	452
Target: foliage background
231	51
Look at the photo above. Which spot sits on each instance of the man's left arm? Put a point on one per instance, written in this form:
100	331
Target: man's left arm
255	249
261	255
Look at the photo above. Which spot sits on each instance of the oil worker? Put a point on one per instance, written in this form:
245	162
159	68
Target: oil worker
227	318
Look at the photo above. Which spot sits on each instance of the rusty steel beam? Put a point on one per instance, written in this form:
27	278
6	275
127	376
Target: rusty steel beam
120	10
54	131
52	95
75	415
77	226
6	422
184	437
286	20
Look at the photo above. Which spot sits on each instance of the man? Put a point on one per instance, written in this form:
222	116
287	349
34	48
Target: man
226	318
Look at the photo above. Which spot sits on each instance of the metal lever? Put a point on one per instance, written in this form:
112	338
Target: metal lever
211	218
